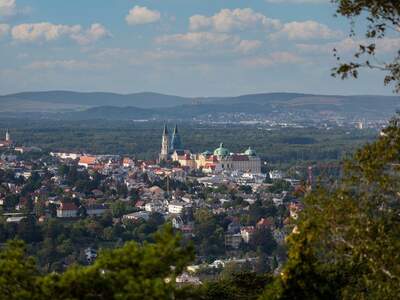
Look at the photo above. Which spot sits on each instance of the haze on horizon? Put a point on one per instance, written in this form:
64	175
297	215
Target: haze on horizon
188	48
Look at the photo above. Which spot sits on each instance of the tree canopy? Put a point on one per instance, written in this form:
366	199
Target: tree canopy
383	21
134	271
347	242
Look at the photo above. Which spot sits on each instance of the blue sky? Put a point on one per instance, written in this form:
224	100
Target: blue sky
182	47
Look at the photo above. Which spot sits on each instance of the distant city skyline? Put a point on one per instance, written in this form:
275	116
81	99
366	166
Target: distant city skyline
188	48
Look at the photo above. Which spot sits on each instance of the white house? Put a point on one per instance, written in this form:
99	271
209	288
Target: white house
136	216
67	210
154	206
176	207
63	155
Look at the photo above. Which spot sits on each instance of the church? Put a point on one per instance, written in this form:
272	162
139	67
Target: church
169	146
7	142
221	159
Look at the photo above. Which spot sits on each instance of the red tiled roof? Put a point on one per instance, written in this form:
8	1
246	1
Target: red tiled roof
68	206
90	160
264	223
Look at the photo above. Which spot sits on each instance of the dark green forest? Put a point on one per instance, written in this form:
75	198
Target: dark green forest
143	139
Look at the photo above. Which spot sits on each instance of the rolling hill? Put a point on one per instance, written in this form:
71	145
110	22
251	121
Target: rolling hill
78	105
52	101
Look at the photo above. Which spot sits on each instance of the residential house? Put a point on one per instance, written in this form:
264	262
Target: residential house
185	278
87	161
67	210
154	206
176	207
136	216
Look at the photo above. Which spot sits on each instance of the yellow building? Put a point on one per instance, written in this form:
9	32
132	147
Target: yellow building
220	160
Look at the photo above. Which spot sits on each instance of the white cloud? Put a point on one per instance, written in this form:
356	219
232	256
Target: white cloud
228	20
275	58
344	45
199	22
135	57
198	40
246	46
305	31
91	35
315	48
50	32
142	15
4	30
42	31
8	8
349	45
71	65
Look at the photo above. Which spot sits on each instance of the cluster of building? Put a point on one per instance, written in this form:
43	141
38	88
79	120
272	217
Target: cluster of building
216	189
8	144
221	159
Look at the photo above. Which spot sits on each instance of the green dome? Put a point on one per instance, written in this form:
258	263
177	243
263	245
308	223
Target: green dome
250	152
221	151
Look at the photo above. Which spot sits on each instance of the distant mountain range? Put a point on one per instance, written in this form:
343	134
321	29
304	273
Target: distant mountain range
64	100
78	105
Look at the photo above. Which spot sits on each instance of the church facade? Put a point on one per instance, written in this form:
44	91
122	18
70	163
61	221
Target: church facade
221	159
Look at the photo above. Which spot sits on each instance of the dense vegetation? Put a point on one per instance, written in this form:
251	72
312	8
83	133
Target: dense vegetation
346	245
132	272
280	145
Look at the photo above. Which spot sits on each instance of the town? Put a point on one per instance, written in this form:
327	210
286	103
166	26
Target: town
200	150
219	200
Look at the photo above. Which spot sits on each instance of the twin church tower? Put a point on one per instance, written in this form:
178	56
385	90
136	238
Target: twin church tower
168	146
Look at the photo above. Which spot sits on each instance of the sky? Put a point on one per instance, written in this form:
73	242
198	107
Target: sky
181	47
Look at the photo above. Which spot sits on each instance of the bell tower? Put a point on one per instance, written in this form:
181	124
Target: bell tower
164	145
8	137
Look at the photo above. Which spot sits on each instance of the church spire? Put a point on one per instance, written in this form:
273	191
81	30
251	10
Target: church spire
164	145
165	132
176	143
8	138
